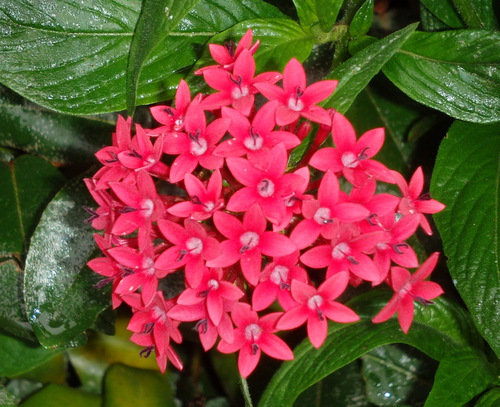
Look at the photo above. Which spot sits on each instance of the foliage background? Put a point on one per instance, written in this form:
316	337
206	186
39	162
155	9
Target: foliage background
428	71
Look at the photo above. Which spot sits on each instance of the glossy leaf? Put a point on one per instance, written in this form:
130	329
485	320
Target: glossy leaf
354	74
156	20
27	184
455	72
55	395
61	301
344	387
18	356
327	12
58	138
12	317
466	178
126	386
396	375
477	14
362	20
306	11
435	331
444	11
461	375
91	39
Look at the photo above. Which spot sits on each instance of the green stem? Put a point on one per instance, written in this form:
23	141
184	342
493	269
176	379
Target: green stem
246	393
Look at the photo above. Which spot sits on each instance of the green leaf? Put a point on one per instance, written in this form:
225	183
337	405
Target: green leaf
61	301
466	179
345	387
306	11
444	11
354	74
490	399
157	19
327	12
27	184
396	374
7	399
435	331
461	375
126	386
58	138
56	395
477	14
72	56
362	20
18	356
12	317
455	72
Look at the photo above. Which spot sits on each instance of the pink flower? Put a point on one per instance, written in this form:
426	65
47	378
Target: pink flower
226	55
172	118
296	99
353	157
236	88
142	206
247	242
256	138
316	306
205	200
142	155
323	215
407	288
346	251
153	329
275	282
265	183
253	335
192	248
196	144
414	202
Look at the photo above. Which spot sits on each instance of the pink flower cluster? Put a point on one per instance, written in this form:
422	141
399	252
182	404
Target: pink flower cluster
262	247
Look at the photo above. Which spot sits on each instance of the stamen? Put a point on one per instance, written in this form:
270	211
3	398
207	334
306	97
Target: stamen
134	153
230	47
127	209
94	214
255	348
397	247
148	328
201	326
113	159
424	197
146	352
352	260
182	254
371	221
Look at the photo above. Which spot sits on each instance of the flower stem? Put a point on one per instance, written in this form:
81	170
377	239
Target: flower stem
246	392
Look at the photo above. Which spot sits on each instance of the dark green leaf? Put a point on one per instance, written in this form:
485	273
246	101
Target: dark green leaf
27	184
58	138
467	179
362	20
12	316
435	331
397	374
455	72
444	11
156	20
61	301
72	56
55	395
126	386
429	22
18	356
490	399
461	375
477	14
354	74
327	12
306	10
343	388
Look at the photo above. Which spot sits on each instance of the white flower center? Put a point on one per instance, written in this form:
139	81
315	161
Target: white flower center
147	206
213	284
253	142
350	160
239	92
340	251
248	241
198	146
323	216
252	332
295	104
315	302
266	188
194	245
279	275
